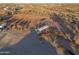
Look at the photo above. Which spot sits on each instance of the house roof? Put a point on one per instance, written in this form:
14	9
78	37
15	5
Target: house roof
2	25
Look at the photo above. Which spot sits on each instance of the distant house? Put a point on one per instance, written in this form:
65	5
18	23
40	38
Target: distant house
3	25
38	30
41	26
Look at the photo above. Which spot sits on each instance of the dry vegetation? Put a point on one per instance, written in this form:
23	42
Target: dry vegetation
36	12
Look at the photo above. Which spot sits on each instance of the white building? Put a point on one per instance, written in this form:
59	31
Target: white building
2	25
39	30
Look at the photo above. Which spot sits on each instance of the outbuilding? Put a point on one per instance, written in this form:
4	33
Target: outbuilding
3	25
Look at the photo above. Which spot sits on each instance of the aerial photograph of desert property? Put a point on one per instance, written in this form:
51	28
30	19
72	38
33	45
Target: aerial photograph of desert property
39	29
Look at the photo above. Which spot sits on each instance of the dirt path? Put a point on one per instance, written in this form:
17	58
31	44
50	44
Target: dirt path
11	38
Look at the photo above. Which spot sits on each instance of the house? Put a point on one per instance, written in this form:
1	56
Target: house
2	25
39	30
